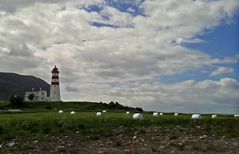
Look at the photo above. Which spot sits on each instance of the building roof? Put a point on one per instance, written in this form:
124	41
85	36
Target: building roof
55	70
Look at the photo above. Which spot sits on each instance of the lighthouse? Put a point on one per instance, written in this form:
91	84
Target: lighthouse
55	87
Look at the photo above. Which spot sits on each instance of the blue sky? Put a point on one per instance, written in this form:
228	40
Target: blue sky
164	55
221	41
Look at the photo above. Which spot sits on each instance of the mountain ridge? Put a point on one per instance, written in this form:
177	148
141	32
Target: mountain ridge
16	84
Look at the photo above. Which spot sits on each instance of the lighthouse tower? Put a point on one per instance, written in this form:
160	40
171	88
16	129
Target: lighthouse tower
55	87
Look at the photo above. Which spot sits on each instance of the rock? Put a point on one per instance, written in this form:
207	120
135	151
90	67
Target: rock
120	135
134	137
173	151
173	137
202	137
235	144
69	145
178	127
61	148
11	144
36	141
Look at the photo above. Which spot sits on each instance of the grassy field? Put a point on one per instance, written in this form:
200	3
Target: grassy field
36	125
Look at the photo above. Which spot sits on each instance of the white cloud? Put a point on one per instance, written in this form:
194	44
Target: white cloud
222	70
71	89
187	96
95	61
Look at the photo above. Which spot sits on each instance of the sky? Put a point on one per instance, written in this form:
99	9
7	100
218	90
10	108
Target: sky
161	55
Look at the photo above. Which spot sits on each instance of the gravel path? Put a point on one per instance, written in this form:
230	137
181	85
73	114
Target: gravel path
141	140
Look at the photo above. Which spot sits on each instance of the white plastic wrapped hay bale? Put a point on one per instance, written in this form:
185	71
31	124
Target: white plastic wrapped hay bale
104	111
196	116
73	112
98	114
155	114
214	116
161	113
236	115
60	111
127	112
138	116
175	114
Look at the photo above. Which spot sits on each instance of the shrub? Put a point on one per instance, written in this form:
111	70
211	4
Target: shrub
139	109
16	101
48	107
31	96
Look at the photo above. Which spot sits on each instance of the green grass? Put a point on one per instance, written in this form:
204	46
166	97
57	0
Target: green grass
37	125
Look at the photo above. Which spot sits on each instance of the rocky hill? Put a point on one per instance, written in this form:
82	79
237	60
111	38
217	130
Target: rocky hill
12	83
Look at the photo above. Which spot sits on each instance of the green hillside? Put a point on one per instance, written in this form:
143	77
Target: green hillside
68	106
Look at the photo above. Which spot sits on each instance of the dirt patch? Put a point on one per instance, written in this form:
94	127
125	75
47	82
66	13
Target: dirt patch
128	140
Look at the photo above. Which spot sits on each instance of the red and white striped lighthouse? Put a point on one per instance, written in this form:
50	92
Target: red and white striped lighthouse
55	86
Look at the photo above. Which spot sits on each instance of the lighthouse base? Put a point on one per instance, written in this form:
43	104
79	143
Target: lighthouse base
55	93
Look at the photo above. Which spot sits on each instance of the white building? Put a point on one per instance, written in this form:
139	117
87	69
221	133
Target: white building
41	95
